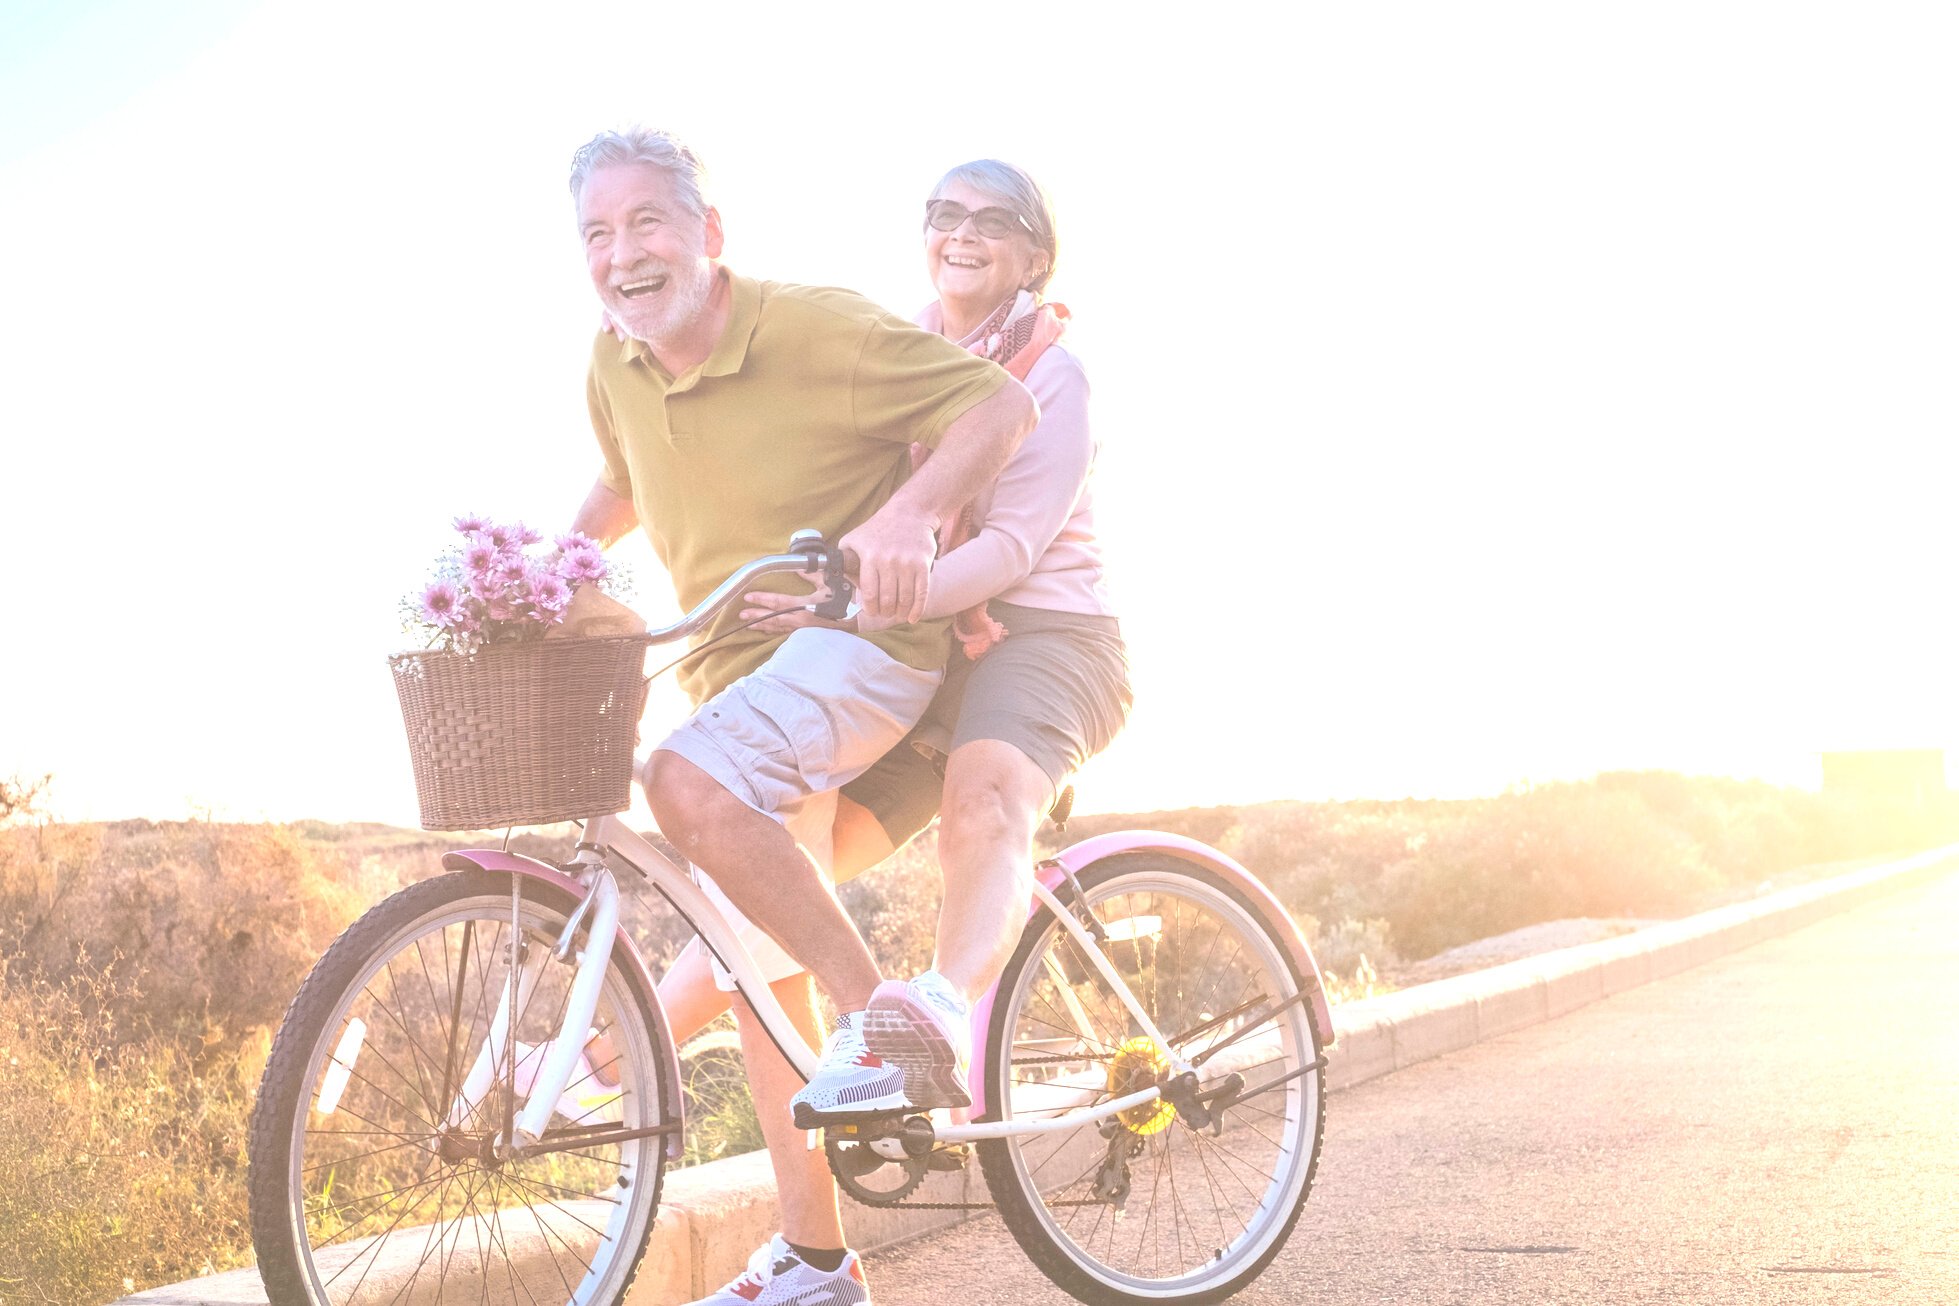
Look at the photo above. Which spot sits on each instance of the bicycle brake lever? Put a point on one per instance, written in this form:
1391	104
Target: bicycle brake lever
842	592
811	545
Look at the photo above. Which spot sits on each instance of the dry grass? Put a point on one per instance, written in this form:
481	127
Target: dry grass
121	1161
143	966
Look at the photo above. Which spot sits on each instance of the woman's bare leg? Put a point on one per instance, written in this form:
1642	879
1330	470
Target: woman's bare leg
857	841
688	993
994	799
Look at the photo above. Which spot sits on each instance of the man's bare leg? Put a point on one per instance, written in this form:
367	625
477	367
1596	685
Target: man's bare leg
758	865
804	1187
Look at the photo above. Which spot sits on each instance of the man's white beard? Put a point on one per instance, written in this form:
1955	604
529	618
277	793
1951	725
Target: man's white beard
686	294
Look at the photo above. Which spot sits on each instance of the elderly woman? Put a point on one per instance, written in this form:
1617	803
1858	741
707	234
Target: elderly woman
1038	683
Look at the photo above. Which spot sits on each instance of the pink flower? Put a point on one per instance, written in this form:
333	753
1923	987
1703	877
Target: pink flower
469	618
582	565
499	609
479	555
510	570
550	594
505	538
524	534
441	604
471	522
573	541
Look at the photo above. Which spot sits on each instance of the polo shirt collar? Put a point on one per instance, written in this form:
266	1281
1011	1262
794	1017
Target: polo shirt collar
731	350
744	311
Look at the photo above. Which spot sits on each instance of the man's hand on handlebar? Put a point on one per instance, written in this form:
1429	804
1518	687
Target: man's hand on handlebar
894	549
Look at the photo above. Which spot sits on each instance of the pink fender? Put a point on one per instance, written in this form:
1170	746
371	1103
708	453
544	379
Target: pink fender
1077	857
491	859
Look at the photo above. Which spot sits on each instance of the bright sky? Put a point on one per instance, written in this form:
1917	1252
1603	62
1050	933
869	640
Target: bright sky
1489	393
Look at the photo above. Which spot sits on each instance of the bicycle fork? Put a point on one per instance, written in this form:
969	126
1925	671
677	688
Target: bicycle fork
559	1058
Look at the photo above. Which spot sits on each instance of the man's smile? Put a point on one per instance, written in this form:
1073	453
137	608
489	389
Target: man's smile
643	286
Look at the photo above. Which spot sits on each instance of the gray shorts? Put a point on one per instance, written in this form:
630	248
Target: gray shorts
1057	689
824	707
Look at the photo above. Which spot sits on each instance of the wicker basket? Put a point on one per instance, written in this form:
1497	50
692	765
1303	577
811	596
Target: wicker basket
523	733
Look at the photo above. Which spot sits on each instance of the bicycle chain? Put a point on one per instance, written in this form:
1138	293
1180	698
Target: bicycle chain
908	1203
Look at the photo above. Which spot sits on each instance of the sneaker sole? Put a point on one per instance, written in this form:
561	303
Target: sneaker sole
904	1033
858	1113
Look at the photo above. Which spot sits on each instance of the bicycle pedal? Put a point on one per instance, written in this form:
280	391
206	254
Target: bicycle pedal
952	1156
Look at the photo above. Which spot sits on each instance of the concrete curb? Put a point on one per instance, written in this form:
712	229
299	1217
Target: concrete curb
713	1216
1375	1036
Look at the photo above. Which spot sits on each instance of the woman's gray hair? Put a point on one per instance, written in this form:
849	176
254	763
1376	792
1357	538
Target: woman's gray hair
643	145
1014	190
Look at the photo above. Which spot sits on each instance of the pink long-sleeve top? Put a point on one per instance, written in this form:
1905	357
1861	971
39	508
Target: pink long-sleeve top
1036	543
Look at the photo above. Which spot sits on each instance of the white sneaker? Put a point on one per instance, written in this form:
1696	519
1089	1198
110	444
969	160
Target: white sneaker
776	1276
850	1084
925	1029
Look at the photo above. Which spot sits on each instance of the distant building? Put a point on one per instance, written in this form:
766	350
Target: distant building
1916	775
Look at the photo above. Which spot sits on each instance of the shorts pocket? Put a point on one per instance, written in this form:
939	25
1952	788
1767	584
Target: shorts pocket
807	742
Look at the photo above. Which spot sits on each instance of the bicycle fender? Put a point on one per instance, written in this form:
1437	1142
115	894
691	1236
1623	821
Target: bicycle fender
1077	857
491	859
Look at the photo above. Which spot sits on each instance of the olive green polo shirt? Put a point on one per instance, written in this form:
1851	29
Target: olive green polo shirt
802	417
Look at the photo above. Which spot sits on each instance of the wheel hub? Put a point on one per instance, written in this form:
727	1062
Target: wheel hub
1138	1064
458	1148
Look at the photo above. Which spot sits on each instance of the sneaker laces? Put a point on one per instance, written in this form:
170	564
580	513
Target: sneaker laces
761	1265
846	1043
937	993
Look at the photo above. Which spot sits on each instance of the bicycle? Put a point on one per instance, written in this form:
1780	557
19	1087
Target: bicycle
474	1094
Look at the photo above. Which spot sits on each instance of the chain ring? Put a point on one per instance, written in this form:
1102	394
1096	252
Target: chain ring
914	1169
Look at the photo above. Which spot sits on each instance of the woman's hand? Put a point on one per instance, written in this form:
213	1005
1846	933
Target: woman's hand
791	611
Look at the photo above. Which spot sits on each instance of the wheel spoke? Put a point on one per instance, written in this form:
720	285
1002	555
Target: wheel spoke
379	1196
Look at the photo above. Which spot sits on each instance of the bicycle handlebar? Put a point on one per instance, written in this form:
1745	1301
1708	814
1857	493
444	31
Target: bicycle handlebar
808	553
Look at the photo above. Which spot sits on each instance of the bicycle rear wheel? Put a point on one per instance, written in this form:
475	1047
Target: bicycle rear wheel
1146	1208
372	1175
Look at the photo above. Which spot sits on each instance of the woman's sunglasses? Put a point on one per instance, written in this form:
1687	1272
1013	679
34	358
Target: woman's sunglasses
993	223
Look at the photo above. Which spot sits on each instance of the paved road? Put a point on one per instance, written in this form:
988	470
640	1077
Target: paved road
1781	1125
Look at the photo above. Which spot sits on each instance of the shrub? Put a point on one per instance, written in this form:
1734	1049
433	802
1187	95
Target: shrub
121	1164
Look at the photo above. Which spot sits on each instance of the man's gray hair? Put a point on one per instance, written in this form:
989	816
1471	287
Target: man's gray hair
1014	190
643	145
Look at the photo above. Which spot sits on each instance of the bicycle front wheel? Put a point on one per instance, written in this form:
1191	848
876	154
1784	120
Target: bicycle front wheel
375	1175
1146	1207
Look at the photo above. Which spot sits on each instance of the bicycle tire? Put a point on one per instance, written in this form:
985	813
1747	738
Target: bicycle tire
310	1240
1156	908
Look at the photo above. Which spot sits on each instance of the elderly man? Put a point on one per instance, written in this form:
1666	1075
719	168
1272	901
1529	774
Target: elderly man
735	413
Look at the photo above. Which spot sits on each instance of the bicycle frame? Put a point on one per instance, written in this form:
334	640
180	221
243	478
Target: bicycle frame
606	840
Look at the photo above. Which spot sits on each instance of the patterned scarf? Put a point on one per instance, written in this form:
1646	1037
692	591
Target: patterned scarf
1015	337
